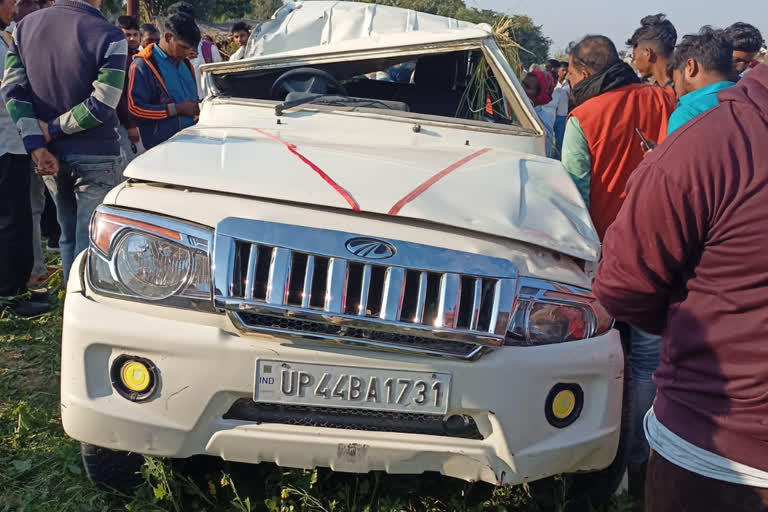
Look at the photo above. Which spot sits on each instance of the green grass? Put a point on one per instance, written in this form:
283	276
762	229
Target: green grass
41	469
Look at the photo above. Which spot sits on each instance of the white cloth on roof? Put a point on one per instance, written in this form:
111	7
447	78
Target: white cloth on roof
326	26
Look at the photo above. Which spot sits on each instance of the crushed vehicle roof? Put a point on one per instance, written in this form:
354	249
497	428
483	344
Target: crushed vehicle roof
309	27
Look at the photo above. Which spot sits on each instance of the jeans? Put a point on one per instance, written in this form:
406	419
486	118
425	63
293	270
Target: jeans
37	200
644	355
15	224
77	189
559	134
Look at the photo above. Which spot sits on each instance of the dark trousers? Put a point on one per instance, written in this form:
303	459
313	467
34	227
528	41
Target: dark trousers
670	488
49	223
16	258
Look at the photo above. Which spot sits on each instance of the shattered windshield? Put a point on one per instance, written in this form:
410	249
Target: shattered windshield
457	85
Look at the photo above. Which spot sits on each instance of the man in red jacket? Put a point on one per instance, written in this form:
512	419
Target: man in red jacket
686	256
601	147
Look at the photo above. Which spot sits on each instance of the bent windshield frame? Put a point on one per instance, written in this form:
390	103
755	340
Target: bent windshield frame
502	107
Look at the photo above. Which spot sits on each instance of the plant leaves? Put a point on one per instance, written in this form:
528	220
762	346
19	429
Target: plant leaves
159	492
22	465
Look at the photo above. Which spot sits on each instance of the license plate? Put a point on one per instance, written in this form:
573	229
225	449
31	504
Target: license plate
321	385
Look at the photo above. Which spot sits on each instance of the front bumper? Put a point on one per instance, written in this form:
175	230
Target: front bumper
205	366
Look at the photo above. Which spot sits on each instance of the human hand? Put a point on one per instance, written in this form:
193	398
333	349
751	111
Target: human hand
647	148
44	128
133	135
189	108
46	163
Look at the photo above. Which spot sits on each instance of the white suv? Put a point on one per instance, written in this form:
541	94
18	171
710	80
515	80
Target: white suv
349	271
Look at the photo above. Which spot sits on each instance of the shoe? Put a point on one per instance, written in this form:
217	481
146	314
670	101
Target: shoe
37	281
39	295
28	309
53	245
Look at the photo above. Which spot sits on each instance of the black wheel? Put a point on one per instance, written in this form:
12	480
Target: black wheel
109	469
589	490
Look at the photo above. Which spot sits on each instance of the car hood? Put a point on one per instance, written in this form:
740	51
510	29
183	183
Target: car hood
488	190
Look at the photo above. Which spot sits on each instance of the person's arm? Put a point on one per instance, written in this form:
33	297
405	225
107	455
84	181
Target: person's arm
576	158
107	89
123	114
648	248
17	95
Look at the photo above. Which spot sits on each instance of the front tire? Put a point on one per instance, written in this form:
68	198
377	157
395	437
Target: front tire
109	469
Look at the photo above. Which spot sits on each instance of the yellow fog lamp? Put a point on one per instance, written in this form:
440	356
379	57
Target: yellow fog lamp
134	378
564	404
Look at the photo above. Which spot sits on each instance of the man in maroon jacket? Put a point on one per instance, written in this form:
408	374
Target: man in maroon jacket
688	256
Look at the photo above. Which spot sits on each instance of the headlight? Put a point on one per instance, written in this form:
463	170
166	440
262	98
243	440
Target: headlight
152	267
547	313
146	257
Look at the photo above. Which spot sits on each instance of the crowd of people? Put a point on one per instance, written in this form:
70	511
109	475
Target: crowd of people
669	157
143	79
671	218
668	152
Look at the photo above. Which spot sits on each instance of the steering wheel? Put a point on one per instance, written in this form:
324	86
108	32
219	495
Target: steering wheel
307	80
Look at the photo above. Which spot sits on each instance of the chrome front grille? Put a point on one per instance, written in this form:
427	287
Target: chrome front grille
421	298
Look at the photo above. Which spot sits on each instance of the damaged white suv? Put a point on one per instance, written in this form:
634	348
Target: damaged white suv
358	259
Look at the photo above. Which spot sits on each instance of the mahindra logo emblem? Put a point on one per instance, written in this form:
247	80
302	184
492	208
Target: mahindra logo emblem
370	248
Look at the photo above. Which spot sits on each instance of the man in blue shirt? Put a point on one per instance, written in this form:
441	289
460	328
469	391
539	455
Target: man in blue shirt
162	93
701	66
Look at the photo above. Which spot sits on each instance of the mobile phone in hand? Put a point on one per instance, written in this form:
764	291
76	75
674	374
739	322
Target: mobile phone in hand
647	144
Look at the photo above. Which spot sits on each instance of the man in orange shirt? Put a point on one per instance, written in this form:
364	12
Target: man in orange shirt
601	149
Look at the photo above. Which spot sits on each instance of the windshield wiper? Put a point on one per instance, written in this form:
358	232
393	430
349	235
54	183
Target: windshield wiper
330	100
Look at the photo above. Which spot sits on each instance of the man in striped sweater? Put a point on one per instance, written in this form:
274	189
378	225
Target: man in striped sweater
62	97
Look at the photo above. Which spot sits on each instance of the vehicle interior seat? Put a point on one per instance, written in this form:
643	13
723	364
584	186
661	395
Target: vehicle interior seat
376	89
435	90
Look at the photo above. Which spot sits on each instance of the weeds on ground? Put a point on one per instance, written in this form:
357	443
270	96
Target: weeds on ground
41	468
